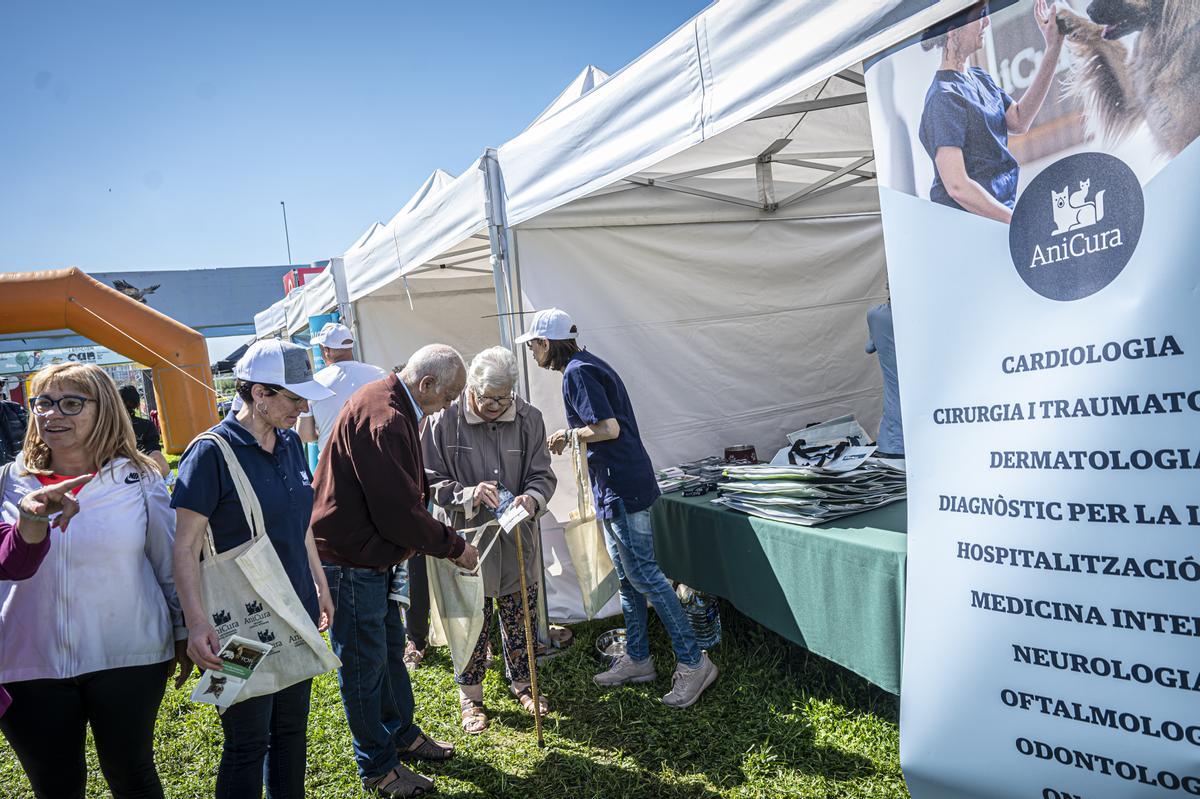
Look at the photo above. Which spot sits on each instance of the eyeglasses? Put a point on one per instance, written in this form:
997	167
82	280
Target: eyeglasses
68	405
499	402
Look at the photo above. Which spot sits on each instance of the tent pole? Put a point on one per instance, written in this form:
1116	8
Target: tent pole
498	239
345	308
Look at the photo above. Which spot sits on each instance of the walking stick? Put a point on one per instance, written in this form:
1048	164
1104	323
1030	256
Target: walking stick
530	642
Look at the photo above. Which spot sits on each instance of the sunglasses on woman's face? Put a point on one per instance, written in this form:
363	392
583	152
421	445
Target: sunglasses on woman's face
68	405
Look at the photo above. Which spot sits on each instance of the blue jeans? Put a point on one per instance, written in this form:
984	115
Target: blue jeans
630	540
265	739
368	636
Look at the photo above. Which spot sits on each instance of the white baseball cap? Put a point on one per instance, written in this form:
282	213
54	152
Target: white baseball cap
551	323
334	335
280	363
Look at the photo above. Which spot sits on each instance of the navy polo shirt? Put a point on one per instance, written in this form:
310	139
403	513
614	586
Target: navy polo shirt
282	482
966	110
620	469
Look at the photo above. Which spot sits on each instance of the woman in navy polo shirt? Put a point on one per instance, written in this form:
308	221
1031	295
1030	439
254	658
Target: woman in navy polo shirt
600	414
967	117
274	383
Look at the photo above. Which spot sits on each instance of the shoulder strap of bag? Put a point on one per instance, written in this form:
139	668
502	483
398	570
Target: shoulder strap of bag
583	481
4	470
241	483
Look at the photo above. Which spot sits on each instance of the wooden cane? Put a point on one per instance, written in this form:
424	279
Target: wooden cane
530	643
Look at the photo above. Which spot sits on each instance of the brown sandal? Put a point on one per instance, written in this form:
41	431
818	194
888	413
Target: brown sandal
425	748
525	697
413	657
474	718
399	783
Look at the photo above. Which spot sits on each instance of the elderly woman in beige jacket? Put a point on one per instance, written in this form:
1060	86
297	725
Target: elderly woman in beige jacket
490	440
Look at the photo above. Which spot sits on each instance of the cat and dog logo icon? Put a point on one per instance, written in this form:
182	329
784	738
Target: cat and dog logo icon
1073	211
1083	241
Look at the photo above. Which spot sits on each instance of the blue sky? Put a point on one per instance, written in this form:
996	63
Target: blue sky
158	135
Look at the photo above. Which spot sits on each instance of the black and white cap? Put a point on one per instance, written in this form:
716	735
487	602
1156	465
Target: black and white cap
281	363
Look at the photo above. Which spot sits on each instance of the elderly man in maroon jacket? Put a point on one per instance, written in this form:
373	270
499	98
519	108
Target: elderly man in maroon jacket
369	514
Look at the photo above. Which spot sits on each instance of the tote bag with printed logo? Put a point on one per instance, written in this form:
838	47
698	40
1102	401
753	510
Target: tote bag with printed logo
246	592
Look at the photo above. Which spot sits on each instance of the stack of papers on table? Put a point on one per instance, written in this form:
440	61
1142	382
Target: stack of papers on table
810	495
674	479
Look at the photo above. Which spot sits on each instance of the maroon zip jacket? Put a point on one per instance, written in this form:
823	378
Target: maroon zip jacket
370	505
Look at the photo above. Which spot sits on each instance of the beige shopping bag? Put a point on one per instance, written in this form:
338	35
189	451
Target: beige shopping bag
247	592
585	540
456	602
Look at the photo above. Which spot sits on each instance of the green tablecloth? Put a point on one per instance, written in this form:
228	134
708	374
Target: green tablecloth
837	589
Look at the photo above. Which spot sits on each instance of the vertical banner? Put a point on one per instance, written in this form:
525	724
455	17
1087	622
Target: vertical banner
1039	187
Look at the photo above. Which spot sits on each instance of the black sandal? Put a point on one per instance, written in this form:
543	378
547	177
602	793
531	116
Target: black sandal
425	748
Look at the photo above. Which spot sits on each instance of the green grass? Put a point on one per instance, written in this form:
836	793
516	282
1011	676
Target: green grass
778	723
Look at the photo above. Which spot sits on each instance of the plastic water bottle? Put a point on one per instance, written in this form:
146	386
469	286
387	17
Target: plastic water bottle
701	610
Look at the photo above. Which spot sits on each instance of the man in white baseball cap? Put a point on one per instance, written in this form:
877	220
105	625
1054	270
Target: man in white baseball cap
343	376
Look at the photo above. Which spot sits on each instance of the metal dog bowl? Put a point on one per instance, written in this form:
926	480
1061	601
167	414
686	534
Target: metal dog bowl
610	645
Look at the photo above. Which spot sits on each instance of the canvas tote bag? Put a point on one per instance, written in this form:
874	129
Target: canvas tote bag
246	592
456	602
585	540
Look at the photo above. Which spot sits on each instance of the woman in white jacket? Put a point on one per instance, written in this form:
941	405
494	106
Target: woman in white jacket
91	638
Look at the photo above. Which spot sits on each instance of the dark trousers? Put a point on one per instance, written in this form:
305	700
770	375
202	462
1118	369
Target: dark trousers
265	740
47	726
368	636
416	618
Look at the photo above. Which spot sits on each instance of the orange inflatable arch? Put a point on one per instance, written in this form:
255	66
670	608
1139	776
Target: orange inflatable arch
176	354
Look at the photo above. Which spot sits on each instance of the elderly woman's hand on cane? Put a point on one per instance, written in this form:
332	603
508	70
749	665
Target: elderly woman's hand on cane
37	507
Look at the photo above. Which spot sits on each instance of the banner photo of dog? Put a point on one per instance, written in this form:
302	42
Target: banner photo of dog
1038	167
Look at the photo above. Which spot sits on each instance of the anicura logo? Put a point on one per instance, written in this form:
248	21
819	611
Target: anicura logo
1076	226
254	607
266	636
222	617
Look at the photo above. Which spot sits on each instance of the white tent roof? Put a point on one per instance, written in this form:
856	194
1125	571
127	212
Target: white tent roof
291	313
443	233
591	77
732	62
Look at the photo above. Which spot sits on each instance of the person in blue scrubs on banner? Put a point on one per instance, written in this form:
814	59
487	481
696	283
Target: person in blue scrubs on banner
968	116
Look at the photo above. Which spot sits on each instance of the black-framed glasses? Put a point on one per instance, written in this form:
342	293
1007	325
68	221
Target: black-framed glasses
499	402
68	405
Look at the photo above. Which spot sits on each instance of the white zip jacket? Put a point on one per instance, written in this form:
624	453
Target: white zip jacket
104	597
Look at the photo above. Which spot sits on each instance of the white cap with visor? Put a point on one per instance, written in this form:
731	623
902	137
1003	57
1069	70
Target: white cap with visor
281	363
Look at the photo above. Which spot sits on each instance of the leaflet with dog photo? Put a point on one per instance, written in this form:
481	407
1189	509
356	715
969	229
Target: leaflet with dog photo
241	658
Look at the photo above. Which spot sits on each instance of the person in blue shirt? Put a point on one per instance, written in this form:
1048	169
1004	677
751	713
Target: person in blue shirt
882	341
600	414
274	381
968	117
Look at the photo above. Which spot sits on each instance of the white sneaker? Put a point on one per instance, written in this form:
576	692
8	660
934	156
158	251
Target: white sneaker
687	683
625	670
